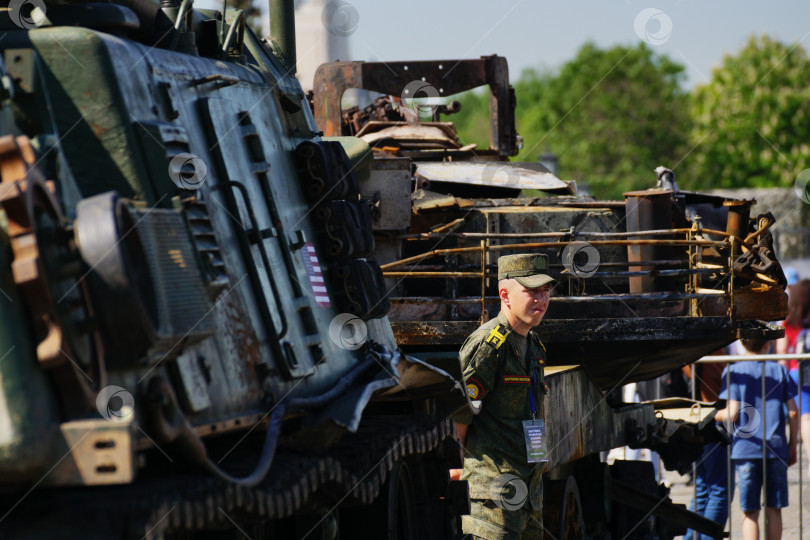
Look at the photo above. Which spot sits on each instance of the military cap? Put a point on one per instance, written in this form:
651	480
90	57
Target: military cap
528	269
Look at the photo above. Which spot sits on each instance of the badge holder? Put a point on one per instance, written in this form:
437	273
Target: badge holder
534	432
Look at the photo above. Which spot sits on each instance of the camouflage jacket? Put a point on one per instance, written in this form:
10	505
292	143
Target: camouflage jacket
495	374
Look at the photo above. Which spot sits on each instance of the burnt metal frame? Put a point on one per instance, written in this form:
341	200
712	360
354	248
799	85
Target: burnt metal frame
693	241
448	77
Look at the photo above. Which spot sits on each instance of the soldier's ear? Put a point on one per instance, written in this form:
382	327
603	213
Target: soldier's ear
503	292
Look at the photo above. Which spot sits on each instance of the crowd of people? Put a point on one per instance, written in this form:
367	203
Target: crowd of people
763	419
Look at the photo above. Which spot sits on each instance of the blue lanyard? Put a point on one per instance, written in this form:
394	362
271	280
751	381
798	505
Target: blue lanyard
533	384
532	393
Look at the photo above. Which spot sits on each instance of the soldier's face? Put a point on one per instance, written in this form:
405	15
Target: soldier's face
528	305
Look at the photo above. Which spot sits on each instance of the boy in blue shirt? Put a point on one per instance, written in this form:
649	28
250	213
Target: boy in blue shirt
745	409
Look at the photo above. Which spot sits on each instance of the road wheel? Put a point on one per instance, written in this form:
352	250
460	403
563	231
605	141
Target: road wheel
562	512
401	510
391	516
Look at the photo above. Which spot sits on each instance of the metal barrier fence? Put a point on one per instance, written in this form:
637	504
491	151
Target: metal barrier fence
762	358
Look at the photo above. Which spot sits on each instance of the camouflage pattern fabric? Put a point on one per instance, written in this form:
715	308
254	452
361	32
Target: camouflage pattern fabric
527	269
488	521
496	375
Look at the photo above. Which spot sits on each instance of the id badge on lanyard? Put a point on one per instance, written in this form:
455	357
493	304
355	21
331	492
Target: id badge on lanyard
534	434
534	430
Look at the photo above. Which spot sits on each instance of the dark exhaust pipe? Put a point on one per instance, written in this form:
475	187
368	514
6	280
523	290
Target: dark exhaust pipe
282	29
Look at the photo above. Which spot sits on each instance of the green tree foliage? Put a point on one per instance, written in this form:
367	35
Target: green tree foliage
751	120
611	116
472	122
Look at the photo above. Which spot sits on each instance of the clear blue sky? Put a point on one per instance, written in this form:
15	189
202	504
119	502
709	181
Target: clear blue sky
532	33
535	33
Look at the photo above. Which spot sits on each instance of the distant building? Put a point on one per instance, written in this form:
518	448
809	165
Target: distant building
319	39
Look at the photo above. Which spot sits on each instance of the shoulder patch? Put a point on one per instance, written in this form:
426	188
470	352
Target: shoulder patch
475	389
497	336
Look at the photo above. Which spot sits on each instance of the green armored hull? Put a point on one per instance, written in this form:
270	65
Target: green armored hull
192	322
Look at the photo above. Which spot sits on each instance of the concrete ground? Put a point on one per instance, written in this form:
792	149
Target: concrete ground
792	516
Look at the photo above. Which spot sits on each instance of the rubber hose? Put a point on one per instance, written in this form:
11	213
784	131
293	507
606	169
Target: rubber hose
274	424
344	382
266	459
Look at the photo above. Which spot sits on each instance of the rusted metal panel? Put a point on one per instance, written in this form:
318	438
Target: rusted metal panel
389	190
501	175
427	200
611	351
579	422
758	303
647	210
435	333
423	131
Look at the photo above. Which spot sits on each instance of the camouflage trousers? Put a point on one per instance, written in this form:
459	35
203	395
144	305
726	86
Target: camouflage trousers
487	521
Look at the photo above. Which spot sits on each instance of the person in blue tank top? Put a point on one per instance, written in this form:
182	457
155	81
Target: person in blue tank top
754	423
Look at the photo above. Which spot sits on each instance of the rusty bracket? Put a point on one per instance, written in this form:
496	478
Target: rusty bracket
46	269
98	452
447	77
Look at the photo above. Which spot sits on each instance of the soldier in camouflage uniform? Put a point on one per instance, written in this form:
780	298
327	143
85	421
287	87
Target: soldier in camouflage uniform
502	363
